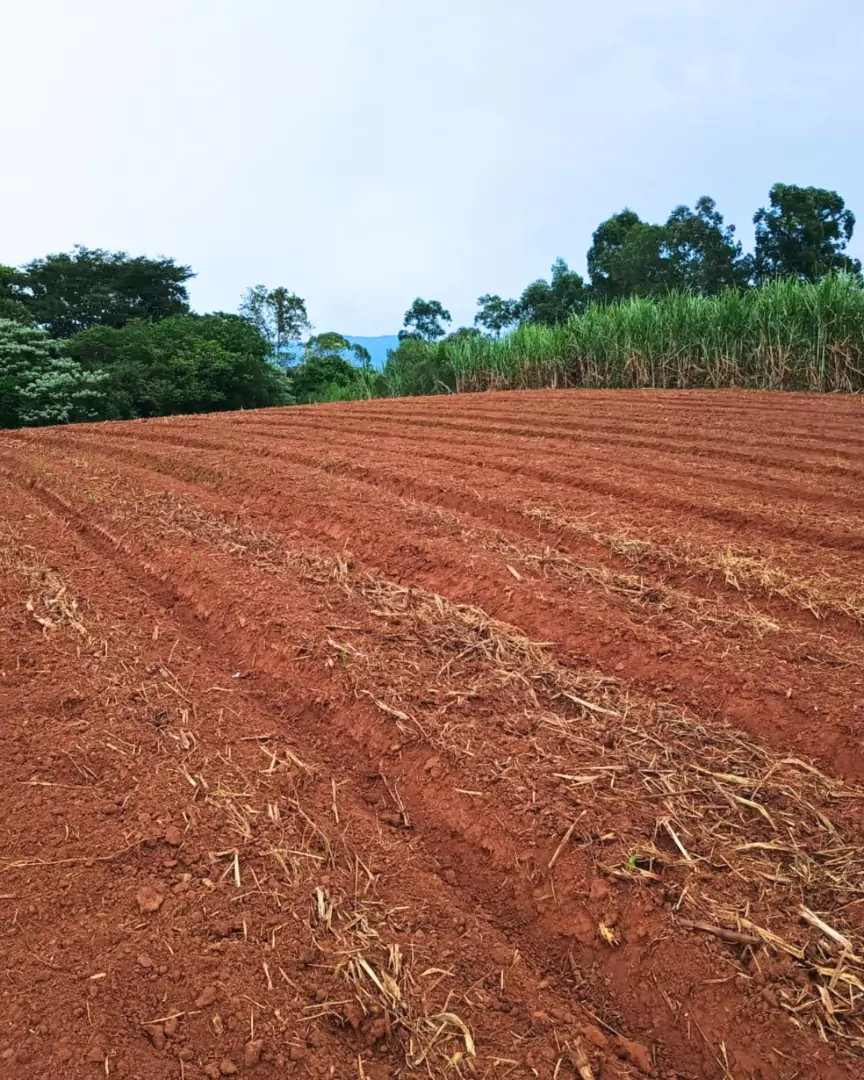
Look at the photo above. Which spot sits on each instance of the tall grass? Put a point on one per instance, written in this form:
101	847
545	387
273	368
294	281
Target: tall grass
786	335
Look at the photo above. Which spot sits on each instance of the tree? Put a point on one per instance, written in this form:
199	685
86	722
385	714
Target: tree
279	316
704	256
11	305
321	377
69	292
628	258
331	366
553	302
38	385
417	367
496	314
362	356
803	234
185	364
463	333
425	319
331	343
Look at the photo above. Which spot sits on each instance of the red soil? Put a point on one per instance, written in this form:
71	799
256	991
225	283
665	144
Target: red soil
287	790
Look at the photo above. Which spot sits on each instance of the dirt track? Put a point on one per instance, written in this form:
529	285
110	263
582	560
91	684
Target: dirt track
503	735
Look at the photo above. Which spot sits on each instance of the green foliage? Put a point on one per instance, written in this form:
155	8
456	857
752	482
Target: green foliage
323	344
627	258
322	378
496	314
416	367
11	305
425	319
668	305
786	335
15	311
184	364
694	252
326	373
704	256
461	334
551	302
70	292
362	356
38	385
331	343
803	234
527	357
280	318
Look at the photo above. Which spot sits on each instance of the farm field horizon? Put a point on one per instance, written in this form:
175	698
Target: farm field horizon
504	734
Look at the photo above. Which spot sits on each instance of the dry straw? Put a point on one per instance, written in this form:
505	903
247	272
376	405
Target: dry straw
761	850
821	594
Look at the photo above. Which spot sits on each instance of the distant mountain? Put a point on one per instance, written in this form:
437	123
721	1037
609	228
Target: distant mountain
377	346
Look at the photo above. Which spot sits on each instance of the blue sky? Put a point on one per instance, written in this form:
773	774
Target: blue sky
364	152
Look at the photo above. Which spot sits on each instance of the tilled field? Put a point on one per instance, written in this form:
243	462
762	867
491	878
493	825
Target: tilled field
512	735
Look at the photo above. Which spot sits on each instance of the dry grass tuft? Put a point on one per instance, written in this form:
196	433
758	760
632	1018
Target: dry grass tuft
50	602
681	605
822	595
388	996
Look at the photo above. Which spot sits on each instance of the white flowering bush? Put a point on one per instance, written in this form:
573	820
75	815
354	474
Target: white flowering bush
38	385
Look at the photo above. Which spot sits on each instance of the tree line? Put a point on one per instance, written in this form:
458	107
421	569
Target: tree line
98	335
92	334
801	234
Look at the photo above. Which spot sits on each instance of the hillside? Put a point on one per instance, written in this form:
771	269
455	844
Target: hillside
377	346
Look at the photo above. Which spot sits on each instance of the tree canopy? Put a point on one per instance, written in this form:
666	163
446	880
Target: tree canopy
332	368
554	301
317	377
627	258
496	314
331	343
803	234
93	333
69	292
183	364
693	252
11	304
425	319
704	256
280	318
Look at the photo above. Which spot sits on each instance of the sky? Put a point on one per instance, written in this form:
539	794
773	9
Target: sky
365	152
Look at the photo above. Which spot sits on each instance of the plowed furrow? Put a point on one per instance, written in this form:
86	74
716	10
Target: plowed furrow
315	846
734	445
582	453
841	533
612	619
447	737
429	732
584	444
